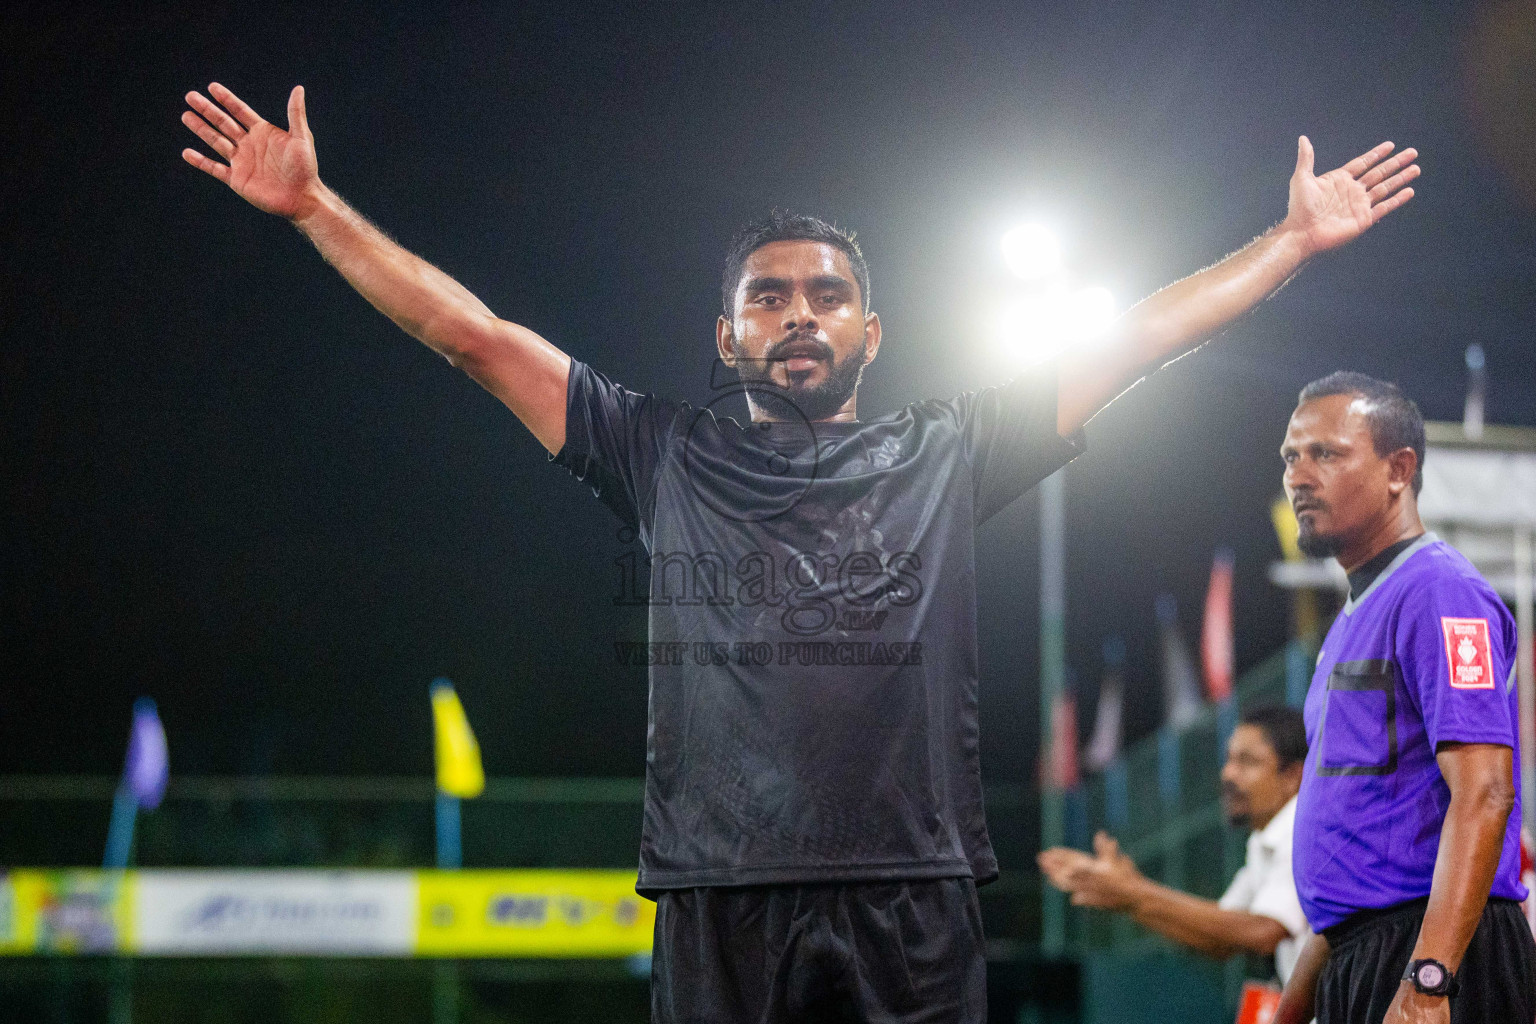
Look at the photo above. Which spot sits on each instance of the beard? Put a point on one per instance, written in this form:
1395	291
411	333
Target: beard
1314	544
1235	807
814	402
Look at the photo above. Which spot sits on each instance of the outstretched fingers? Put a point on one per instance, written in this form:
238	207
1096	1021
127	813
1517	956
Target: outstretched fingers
215	115
220	144
206	165
1385	181
243	113
1365	161
1384	170
1389	204
1392	184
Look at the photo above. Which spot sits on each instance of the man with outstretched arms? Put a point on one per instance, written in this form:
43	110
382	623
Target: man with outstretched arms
813	829
1407	844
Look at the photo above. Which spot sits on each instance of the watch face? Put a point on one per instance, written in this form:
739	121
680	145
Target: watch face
1431	975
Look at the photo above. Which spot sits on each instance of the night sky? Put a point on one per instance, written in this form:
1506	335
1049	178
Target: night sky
231	485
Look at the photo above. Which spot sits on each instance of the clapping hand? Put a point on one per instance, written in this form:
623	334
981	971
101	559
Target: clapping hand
1102	880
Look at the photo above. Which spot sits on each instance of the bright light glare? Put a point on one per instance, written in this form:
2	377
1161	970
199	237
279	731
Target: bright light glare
1032	252
1094	311
1039	326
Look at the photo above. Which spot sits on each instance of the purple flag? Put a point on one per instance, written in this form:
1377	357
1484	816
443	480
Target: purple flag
148	767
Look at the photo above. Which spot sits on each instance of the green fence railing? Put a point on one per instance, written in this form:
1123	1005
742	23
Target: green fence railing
1161	800
372	822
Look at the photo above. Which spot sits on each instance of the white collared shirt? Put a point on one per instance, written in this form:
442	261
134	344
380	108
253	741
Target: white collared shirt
1264	885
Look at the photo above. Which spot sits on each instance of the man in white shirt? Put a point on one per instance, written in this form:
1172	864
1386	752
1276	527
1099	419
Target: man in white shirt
1260	911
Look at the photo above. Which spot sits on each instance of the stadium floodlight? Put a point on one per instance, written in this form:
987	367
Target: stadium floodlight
1032	252
1093	310
1050	315
1040	325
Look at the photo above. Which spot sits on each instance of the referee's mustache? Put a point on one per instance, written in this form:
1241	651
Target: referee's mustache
1306	501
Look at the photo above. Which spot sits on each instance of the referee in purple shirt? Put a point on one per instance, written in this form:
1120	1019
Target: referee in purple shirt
1407	847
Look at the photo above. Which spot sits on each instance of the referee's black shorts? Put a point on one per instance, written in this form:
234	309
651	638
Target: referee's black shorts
1369	952
885	951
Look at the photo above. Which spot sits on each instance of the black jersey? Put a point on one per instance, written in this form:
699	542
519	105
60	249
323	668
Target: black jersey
812	604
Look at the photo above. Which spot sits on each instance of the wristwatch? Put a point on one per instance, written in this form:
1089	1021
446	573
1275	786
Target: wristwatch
1431	978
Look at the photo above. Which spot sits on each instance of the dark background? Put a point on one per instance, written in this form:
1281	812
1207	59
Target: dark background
230	484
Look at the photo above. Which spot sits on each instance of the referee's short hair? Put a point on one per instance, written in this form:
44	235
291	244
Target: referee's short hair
1394	419
1283	727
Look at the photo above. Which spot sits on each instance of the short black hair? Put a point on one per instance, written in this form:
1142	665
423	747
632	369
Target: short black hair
1394	419
1283	727
788	227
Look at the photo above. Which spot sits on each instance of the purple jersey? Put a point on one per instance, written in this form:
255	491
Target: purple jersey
1424	656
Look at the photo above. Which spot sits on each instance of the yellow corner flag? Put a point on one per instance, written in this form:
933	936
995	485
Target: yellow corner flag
459	772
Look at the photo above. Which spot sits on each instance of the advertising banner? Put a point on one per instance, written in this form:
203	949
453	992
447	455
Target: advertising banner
64	911
330	913
534	913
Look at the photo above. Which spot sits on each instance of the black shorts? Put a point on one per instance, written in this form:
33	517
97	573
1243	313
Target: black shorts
884	951
1369	953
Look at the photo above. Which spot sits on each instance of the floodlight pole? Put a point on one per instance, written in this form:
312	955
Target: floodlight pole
1053	678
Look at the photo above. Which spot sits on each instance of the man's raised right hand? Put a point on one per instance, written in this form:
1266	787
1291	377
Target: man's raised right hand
272	169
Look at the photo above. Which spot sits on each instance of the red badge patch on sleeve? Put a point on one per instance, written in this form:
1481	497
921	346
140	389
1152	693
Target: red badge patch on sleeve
1468	652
